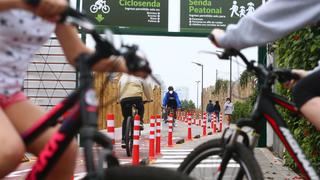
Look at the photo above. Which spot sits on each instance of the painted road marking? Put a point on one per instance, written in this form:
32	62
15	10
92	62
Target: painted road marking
172	158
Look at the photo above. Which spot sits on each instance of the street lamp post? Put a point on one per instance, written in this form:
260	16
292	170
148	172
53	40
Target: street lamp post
197	93
230	91
201	65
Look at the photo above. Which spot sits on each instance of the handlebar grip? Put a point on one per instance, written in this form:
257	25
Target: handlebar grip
136	62
71	12
285	75
32	2
211	37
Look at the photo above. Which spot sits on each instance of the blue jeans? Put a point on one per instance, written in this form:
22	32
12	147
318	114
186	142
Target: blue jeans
209	116
217	117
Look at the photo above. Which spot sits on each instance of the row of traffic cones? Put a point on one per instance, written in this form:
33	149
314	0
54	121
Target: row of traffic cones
188	119
154	141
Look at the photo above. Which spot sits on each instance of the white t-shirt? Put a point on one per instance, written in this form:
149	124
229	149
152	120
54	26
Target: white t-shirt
21	35
228	108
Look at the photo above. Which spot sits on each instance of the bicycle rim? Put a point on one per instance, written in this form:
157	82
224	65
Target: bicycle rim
204	163
129	136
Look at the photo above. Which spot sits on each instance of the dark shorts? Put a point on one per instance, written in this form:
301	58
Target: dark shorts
306	89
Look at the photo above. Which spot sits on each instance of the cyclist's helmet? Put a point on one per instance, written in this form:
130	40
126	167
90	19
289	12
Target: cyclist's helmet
170	88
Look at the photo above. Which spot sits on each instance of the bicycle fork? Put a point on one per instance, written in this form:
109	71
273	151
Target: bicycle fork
227	154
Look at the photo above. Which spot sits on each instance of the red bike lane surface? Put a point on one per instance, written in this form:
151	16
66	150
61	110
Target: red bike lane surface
179	133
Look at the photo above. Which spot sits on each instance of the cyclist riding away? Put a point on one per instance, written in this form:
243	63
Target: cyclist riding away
131	92
171	100
271	21
24	28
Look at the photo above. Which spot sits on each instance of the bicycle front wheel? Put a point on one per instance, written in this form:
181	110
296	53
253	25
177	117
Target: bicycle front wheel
129	136
204	162
143	173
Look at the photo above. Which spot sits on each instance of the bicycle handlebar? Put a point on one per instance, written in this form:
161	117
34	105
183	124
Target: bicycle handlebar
282	75
104	48
147	101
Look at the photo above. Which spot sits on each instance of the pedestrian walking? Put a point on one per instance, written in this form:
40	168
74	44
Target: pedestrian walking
228	110
217	110
210	111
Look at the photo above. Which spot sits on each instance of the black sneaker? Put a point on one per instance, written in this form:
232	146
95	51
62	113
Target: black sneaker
141	126
123	144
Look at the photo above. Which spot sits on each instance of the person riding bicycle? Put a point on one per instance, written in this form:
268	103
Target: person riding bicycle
271	21
131	93
24	28
171	100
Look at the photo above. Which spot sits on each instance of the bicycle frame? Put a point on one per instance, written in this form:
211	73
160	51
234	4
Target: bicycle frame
83	114
265	108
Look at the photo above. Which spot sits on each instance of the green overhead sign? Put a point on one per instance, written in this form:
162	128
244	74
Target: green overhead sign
187	17
201	16
125	16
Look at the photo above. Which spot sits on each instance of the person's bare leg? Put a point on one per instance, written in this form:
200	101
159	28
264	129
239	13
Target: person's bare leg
228	120
311	111
22	121
12	148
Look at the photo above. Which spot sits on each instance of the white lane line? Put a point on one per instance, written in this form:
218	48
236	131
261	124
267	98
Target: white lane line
180	160
176	150
198	166
175	153
173	157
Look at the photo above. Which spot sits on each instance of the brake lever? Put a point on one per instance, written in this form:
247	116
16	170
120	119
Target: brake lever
74	17
284	75
155	79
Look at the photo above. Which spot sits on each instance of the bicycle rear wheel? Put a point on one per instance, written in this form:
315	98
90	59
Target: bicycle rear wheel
143	173
129	136
204	162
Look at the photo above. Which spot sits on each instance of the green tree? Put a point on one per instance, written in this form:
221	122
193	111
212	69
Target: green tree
187	105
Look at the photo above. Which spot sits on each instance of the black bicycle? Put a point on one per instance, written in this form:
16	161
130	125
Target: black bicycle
166	111
129	128
82	119
232	155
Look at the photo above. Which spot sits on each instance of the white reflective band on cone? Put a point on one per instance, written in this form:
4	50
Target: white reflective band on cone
110	123
136	122
110	134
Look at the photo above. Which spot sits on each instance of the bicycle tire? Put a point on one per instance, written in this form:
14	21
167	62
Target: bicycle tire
129	136
143	173
212	149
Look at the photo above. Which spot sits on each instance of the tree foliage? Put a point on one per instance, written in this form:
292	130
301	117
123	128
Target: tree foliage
187	105
246	77
221	85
